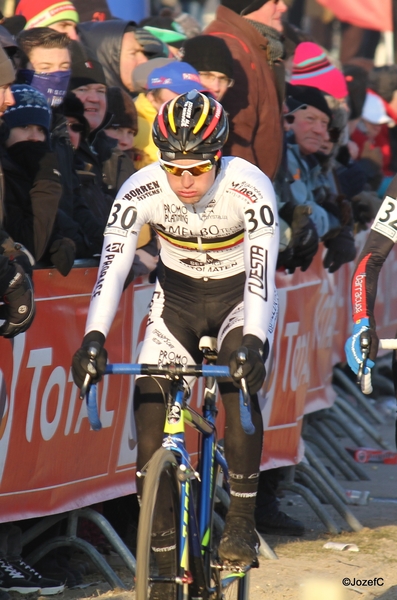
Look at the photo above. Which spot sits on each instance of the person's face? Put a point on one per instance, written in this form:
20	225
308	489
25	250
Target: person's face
75	136
123	135
6	98
310	127
372	129
216	83
49	60
189	188
131	56
68	27
29	133
270	14
158	99
93	97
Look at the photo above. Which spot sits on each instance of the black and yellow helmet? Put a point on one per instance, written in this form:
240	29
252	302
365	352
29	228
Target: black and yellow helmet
191	125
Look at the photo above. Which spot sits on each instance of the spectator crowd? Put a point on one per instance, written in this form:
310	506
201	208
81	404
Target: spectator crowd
77	105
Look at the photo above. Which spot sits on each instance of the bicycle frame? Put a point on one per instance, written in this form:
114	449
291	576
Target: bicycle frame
195	524
194	530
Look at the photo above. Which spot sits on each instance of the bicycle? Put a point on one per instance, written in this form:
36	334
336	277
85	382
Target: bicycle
199	575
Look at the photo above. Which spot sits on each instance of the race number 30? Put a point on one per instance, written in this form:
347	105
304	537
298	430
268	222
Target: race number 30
386	219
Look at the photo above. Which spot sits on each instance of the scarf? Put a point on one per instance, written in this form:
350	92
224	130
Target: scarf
274	38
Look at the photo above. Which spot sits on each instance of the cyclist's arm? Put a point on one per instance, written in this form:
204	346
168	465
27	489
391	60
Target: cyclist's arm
118	251
381	239
261	245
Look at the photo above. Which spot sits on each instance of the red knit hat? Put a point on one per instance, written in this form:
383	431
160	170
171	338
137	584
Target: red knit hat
43	13
312	67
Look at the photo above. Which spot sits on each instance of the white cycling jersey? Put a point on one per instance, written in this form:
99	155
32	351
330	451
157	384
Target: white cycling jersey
232	229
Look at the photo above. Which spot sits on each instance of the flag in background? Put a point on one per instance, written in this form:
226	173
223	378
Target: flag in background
370	14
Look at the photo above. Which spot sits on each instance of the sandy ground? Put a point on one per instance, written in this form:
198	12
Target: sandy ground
302	560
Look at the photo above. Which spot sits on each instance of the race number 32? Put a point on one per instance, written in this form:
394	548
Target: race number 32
386	219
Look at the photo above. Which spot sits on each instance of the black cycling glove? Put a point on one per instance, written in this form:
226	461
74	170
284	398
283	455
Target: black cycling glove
81	359
253	368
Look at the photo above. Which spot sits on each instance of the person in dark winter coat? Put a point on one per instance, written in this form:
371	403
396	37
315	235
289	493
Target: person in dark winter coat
33	183
120	46
45	64
89	85
254	102
16	290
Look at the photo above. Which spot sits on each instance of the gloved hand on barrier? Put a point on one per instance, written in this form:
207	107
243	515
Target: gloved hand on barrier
253	368
304	237
18	309
62	255
82	364
353	346
340	250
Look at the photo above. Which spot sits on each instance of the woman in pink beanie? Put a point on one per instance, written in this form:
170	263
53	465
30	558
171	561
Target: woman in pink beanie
312	67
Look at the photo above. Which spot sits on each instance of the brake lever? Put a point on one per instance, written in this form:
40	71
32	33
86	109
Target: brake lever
364	345
93	352
242	359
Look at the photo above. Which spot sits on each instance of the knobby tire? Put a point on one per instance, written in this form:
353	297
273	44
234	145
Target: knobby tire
162	465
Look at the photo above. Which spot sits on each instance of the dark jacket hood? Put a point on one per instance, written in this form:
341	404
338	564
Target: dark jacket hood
104	39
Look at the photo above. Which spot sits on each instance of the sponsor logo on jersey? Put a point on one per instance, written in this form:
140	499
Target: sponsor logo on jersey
257	278
108	259
116	247
208	239
160	338
247	190
143	191
359	293
209	265
175	214
167	357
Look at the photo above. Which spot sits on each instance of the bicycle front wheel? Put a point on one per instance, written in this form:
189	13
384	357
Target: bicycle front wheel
152	580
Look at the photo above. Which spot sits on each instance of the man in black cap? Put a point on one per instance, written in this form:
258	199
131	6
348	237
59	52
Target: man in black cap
306	141
213	60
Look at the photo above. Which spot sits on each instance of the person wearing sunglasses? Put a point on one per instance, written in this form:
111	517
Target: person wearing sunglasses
217	222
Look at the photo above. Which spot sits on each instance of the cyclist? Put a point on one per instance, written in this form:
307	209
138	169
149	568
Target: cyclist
380	241
217	222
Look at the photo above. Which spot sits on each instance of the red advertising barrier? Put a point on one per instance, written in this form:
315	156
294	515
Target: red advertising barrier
50	460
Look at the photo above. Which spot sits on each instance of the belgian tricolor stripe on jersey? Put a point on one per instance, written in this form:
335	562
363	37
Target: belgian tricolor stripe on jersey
202	244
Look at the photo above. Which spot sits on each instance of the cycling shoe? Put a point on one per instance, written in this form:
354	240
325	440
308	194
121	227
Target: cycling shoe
239	543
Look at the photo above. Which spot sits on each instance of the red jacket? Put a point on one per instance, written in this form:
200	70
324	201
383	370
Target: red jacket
253	103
